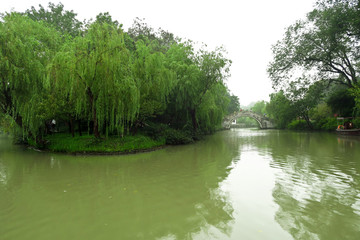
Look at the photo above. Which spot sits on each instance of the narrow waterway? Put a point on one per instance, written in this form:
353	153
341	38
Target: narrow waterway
237	184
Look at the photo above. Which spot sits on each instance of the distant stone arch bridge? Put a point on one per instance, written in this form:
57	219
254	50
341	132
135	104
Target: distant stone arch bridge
263	121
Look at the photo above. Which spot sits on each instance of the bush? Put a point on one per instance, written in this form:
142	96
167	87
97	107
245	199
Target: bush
356	122
320	112
298	125
64	142
329	124
171	136
155	130
174	137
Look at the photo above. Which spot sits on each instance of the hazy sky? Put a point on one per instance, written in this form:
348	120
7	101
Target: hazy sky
247	29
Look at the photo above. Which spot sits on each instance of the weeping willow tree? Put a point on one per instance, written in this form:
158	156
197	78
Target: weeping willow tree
214	70
213	107
197	73
94	73
154	80
180	59
105	78
26	48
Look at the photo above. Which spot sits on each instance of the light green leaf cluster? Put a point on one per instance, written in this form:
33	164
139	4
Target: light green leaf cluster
26	49
154	80
212	108
94	73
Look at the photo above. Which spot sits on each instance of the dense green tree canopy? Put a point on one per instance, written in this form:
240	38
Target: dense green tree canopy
27	47
356	94
316	64
259	107
197	74
140	30
325	46
341	102
57	17
154	79
234	104
305	98
95	72
55	68
106	18
280	109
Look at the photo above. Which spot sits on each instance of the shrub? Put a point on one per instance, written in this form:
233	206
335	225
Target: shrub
174	137
356	122
155	130
171	136
298	125
330	124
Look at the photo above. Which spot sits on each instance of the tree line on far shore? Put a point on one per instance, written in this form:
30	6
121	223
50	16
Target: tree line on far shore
315	69
95	77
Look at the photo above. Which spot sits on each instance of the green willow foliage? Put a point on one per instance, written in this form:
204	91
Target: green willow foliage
94	72
154	80
113	81
27	48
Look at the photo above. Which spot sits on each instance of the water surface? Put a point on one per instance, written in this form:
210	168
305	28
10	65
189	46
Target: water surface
237	184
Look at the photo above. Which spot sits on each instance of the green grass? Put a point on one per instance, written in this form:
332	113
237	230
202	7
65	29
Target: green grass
63	142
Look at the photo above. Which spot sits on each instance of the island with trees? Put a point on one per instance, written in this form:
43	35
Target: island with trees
91	86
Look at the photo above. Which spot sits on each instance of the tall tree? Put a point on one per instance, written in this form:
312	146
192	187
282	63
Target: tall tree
280	109
234	104
356	94
26	48
57	17
341	101
325	46
154	79
259	107
140	30
303	99
106	18
95	72
197	73
213	108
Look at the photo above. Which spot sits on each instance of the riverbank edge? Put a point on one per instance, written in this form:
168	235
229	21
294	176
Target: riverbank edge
99	153
88	145
113	145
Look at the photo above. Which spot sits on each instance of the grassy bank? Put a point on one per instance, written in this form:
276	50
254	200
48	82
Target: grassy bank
151	137
64	142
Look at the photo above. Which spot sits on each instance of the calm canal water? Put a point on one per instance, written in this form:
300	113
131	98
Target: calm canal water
237	184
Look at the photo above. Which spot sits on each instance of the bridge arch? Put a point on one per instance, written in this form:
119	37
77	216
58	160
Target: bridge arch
264	122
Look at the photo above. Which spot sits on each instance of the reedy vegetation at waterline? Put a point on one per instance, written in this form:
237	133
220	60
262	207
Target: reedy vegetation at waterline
97	75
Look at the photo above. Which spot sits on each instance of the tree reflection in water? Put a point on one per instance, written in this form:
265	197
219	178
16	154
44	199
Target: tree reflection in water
176	193
171	193
318	188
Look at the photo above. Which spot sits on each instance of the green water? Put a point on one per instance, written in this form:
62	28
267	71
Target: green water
237	184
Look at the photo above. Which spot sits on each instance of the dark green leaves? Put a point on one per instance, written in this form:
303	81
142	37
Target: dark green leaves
323	47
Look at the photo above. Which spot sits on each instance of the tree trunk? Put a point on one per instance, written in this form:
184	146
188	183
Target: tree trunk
308	122
71	126
193	119
18	120
79	127
96	127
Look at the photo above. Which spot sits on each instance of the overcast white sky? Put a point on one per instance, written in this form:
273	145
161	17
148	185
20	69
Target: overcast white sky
247	29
